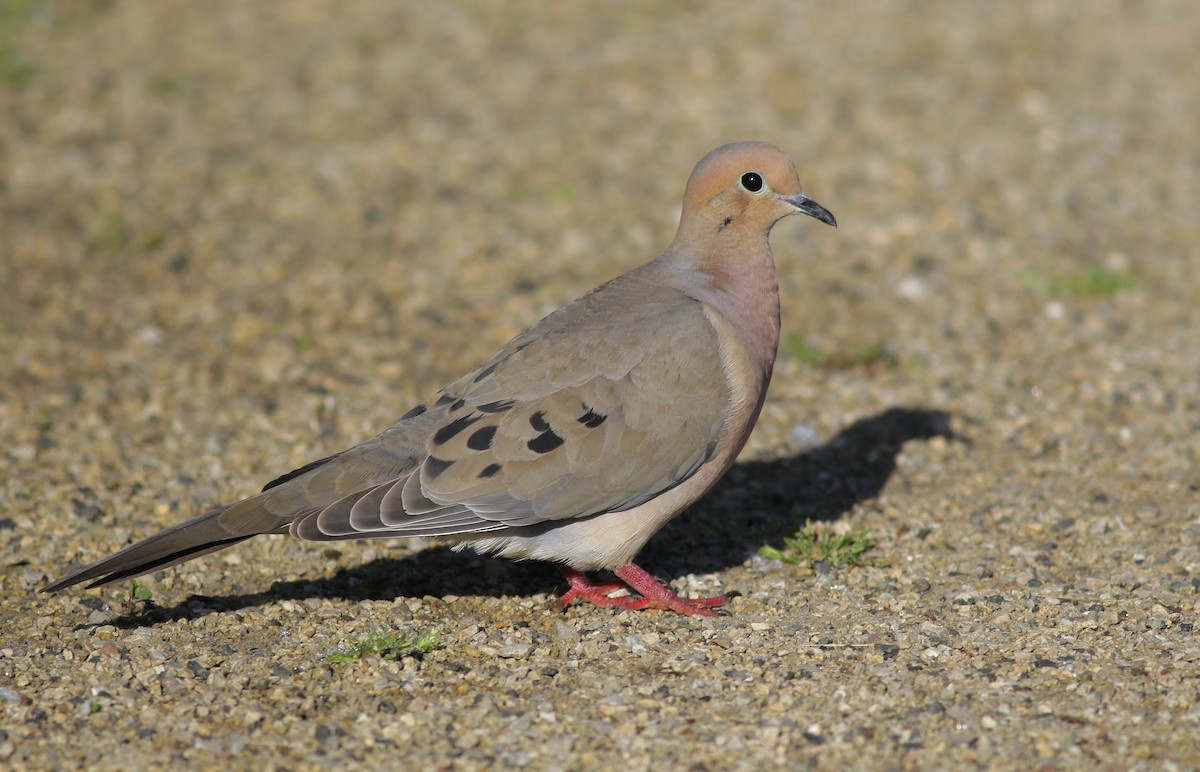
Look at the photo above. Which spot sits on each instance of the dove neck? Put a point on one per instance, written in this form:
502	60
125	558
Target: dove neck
739	283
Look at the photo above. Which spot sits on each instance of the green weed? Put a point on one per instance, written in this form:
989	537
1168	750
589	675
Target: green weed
17	68
818	542
874	354
1096	282
139	598
110	230
388	644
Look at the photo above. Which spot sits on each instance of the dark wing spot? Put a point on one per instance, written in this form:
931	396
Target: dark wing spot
416	411
448	431
458	404
490	471
435	466
444	400
591	419
545	442
538	421
485	372
482	438
496	407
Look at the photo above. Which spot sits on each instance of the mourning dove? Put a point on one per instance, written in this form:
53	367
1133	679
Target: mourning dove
582	436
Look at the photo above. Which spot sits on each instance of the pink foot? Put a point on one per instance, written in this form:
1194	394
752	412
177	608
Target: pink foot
654	594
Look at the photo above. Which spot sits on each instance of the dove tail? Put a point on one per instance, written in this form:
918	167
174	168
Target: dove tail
190	539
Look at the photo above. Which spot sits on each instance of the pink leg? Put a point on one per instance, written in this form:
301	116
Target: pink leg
654	594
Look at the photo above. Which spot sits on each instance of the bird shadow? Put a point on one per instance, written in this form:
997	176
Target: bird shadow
759	502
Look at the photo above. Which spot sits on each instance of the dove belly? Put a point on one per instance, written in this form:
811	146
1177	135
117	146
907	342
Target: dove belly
602	541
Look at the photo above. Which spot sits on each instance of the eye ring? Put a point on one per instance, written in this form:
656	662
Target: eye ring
752	182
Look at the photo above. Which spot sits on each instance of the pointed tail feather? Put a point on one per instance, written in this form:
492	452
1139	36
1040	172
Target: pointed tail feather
299	493
190	539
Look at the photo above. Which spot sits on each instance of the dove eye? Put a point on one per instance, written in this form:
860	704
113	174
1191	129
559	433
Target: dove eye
753	182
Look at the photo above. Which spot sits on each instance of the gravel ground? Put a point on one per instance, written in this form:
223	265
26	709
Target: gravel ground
237	236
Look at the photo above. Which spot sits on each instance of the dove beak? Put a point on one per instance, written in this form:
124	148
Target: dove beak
805	205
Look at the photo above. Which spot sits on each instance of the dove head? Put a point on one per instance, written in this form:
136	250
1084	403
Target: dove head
743	189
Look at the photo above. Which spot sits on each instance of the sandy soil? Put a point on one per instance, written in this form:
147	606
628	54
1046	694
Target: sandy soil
237	236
